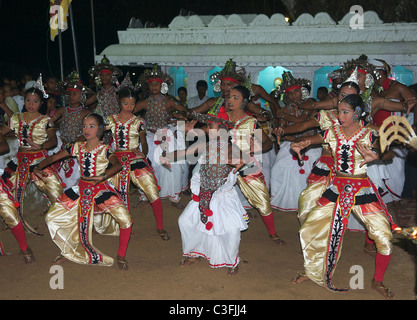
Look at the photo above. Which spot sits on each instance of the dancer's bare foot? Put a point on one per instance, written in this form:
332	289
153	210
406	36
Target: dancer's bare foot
299	278
232	271
28	256
277	240
188	261
385	291
122	263
163	234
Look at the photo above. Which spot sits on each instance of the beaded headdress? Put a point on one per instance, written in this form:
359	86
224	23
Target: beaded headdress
229	72
105	67
289	82
73	83
362	64
126	83
154	74
382	65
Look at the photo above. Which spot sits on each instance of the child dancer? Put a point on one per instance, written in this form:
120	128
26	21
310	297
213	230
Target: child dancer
70	219
9	214
36	135
351	190
212	222
128	132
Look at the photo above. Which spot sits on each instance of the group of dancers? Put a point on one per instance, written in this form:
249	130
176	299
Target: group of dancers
308	156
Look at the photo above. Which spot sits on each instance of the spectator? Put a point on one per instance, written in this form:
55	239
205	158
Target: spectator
201	97
323	94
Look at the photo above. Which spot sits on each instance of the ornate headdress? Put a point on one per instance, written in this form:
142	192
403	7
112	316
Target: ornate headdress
362	65
126	83
39	85
154	74
353	77
229	72
335	74
105	67
290	83
382	65
73	83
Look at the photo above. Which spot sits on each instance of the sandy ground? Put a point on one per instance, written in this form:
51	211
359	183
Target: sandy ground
264	274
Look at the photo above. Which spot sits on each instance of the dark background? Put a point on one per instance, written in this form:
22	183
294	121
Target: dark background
25	36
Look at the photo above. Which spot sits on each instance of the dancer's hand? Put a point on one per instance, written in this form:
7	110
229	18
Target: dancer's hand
39	173
33	145
189	126
236	163
411	102
139	154
298	146
278	132
367	154
165	161
94	179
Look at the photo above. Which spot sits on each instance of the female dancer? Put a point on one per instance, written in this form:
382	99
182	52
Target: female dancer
250	180
9	214
36	135
322	172
212	222
128	132
351	190
70	219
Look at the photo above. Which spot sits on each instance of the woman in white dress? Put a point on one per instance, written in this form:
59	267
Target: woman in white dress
212	222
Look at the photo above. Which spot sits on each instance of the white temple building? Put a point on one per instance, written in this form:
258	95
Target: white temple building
193	47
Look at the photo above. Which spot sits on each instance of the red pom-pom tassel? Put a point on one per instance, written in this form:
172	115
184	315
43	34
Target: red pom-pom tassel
208	212
196	198
209	225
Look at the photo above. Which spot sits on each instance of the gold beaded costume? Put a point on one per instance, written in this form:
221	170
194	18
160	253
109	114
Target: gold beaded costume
19	169
251	180
322	171
70	220
321	234
139	171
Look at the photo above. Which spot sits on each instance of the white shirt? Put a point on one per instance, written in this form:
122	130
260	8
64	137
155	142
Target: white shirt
195	101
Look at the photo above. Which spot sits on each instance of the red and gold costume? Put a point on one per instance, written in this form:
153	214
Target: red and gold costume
126	137
251	180
71	219
321	234
19	170
322	171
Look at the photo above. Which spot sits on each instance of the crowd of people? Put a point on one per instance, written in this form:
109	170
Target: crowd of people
85	149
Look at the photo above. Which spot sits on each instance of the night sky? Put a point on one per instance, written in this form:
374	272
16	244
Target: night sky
25	34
